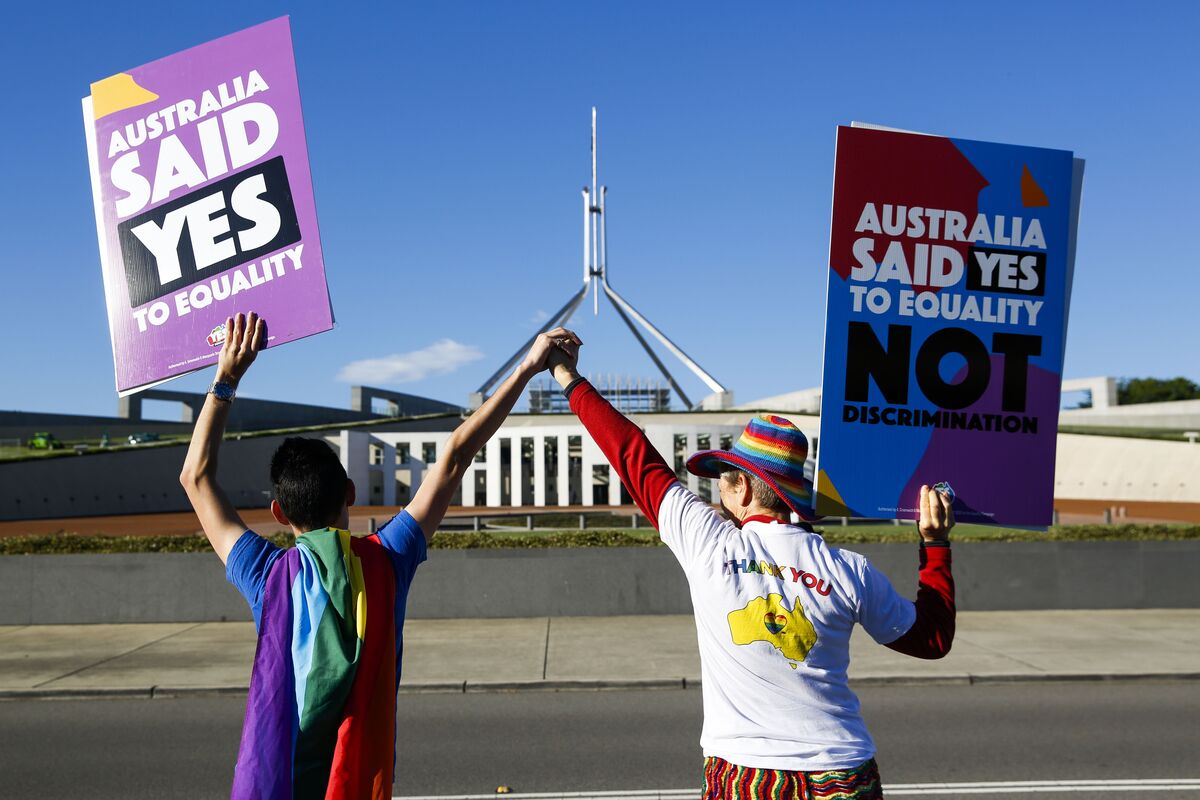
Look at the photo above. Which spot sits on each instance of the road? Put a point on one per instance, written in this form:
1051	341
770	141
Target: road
584	741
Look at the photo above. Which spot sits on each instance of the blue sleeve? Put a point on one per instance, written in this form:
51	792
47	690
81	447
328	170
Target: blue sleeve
405	542
247	566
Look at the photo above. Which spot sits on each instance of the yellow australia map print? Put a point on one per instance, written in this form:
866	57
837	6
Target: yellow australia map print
767	619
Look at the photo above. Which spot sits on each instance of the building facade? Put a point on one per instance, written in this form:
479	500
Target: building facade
535	459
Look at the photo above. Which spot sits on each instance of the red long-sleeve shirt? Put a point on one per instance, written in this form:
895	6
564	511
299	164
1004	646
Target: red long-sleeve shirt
932	633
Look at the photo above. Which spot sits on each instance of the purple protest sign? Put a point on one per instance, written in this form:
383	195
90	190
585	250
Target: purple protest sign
204	203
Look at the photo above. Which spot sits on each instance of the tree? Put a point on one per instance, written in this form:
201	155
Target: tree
1156	390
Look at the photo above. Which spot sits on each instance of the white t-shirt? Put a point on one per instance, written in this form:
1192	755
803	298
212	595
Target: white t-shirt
774	609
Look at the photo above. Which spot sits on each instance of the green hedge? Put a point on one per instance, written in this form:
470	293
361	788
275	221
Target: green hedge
68	543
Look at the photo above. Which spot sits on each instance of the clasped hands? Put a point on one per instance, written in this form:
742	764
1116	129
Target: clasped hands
556	350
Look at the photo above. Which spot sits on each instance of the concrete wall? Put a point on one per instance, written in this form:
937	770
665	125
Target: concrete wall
1176	414
594	582
247	414
400	404
143	587
127	481
804	401
1104	468
1116	469
1102	390
140	481
1011	576
23	424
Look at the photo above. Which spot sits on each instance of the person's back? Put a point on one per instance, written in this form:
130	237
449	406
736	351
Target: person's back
774	606
330	617
774	609
321	712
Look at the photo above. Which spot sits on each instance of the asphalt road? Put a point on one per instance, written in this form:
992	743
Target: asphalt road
579	741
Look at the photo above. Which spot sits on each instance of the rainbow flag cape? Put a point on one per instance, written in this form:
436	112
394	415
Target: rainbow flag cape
321	715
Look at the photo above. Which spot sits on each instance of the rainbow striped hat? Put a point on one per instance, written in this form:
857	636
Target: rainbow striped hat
772	448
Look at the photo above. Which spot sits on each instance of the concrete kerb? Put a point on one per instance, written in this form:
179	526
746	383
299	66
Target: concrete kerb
479	687
579	685
91	693
1084	677
157	692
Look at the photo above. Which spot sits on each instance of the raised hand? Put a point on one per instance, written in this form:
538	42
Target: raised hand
244	337
937	515
565	355
550	342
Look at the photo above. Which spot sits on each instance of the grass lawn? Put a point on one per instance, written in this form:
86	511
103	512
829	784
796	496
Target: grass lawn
1169	434
66	543
10	453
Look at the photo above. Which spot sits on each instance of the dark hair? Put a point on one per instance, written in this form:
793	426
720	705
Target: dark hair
309	482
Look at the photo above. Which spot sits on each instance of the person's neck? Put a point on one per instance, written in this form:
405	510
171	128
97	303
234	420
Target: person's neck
756	514
296	532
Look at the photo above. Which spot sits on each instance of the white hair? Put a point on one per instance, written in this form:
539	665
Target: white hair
764	495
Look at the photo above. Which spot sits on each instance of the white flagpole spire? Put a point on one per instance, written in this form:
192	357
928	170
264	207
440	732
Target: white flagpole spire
595	277
595	212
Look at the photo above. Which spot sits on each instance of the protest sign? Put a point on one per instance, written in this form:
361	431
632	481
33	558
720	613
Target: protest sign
204	203
950	268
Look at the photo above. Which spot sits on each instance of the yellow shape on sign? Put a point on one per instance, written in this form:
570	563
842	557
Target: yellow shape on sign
117	93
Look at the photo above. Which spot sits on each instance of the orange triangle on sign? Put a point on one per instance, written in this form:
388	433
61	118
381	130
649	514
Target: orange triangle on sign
1031	194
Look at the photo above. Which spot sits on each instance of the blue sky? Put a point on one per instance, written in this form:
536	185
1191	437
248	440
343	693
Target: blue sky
449	142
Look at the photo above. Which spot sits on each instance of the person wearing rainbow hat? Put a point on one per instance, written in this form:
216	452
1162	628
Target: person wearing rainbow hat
774	606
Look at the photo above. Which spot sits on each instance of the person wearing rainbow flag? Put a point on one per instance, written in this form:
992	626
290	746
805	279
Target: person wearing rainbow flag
321	712
774	606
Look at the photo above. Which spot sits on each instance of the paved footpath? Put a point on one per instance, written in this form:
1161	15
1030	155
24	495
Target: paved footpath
541	653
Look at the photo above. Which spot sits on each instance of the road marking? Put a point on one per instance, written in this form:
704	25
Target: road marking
632	794
891	790
1043	787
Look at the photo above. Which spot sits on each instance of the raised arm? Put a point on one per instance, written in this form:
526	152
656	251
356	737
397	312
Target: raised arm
932	633
433	498
638	465
221	523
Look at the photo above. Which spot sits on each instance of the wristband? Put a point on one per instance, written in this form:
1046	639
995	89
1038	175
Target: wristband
935	543
570	387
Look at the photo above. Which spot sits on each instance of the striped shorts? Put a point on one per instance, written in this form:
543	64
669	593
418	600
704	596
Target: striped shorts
725	781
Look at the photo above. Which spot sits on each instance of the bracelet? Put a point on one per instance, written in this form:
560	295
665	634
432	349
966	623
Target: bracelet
935	543
570	387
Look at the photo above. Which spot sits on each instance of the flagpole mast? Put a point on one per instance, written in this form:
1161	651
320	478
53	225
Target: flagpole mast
595	277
